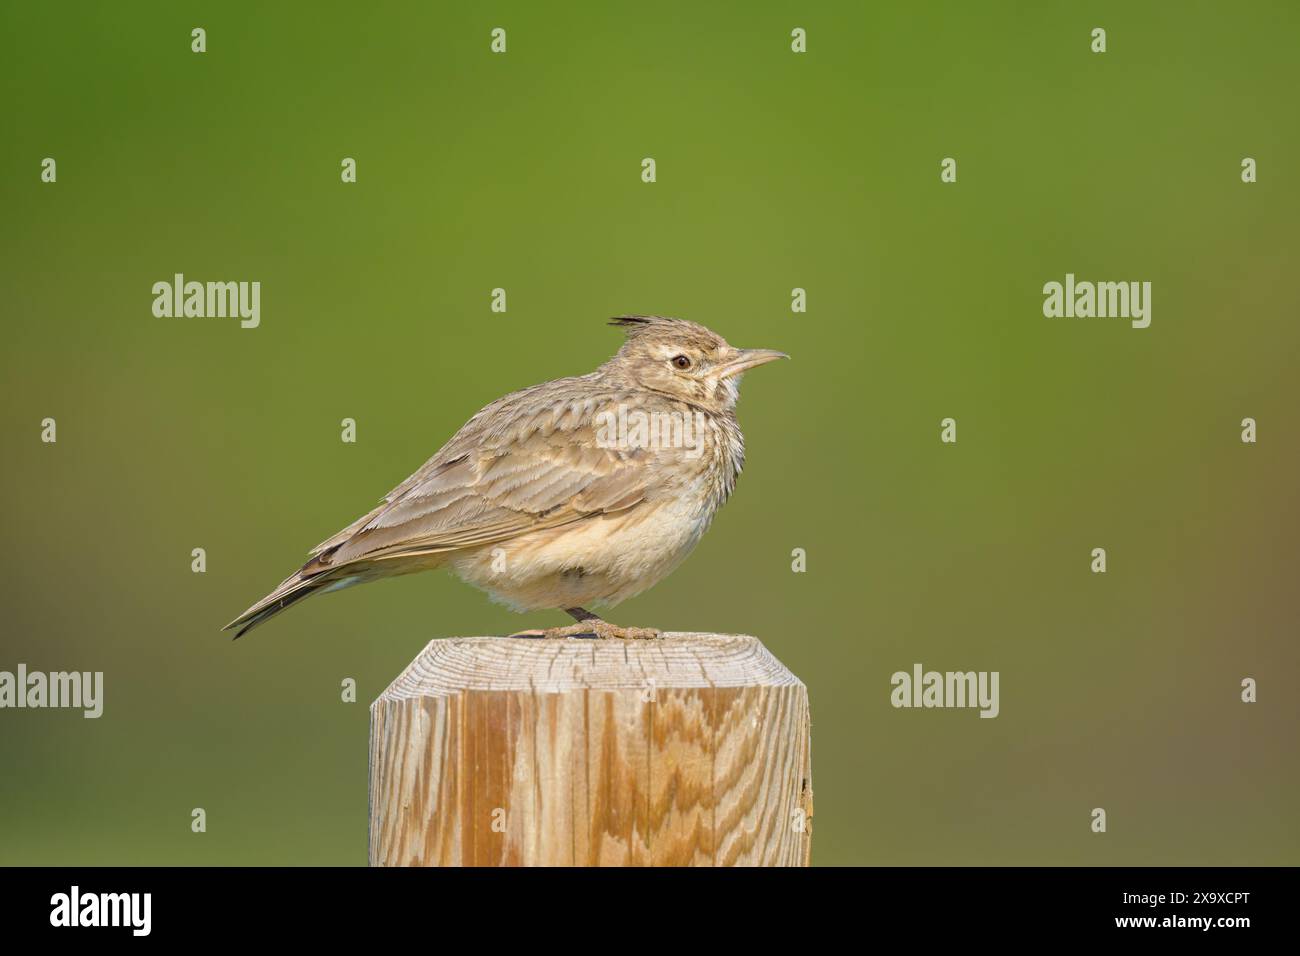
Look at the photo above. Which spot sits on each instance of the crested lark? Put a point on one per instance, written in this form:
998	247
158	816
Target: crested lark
578	492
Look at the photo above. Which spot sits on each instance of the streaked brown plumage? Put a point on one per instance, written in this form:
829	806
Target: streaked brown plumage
543	502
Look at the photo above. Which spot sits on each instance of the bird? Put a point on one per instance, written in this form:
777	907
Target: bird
576	493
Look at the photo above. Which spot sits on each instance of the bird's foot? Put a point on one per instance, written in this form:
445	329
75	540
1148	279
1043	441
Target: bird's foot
594	627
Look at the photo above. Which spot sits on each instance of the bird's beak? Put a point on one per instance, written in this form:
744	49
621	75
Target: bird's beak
750	358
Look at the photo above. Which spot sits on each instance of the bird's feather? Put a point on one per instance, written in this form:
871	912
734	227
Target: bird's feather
522	464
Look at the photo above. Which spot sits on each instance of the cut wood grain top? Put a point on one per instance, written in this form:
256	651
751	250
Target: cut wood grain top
451	665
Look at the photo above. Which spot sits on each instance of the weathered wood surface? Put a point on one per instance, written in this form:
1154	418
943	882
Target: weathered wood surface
691	750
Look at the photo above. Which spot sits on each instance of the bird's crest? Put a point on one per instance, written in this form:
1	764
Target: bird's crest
643	327
633	324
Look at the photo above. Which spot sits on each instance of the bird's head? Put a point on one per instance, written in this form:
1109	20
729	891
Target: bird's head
684	360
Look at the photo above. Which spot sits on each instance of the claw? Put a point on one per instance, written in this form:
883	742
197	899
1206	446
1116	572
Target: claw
594	628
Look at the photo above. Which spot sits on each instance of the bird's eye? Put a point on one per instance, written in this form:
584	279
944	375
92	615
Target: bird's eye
681	361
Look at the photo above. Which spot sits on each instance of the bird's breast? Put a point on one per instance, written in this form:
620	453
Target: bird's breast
598	560
602	559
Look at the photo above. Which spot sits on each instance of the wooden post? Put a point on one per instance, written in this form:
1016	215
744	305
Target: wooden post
690	750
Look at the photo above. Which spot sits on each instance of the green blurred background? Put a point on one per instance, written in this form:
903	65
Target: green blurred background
775	170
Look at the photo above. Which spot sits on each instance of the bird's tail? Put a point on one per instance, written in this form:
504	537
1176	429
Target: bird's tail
312	579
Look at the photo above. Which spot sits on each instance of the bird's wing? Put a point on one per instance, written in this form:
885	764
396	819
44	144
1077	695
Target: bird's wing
522	464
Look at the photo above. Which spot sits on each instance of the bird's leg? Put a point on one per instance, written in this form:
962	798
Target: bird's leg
589	623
